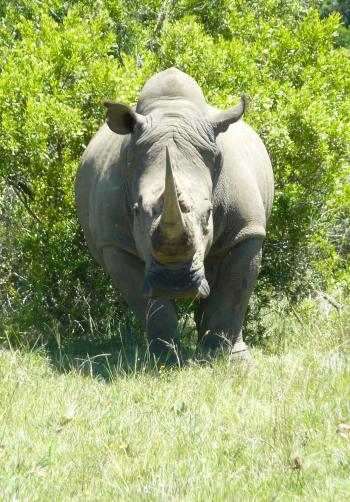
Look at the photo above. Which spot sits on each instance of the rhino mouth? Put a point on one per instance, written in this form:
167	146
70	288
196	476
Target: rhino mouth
174	281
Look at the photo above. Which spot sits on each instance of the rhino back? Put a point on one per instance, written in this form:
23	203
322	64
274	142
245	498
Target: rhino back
100	195
170	89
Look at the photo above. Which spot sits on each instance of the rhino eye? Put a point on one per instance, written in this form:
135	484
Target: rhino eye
205	219
209	211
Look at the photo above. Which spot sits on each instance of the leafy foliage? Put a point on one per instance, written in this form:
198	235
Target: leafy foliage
327	7
59	59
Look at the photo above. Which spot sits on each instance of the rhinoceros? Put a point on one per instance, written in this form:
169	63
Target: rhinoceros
173	198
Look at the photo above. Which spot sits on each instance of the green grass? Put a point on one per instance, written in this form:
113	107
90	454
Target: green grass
208	431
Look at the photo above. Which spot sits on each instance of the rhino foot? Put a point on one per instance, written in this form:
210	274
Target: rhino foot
238	351
243	356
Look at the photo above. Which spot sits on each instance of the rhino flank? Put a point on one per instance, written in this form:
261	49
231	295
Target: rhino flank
173	198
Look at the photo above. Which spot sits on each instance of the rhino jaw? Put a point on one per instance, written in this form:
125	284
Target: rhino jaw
165	281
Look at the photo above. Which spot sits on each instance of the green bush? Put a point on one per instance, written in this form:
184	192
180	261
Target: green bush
59	59
327	7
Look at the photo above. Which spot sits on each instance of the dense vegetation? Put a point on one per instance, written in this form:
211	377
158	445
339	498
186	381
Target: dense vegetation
327	7
59	59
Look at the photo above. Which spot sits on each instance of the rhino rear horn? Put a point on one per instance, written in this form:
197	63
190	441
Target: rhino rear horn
171	222
122	119
223	119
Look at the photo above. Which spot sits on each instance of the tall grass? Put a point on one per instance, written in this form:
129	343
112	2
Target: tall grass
97	428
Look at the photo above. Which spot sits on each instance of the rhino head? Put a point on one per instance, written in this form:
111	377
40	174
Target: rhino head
171	160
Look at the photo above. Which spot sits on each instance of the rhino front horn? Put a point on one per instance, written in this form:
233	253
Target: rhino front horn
171	222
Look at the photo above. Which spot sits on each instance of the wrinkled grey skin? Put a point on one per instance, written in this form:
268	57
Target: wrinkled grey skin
173	199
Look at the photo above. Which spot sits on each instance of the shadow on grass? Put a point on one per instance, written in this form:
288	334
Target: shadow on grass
108	359
127	353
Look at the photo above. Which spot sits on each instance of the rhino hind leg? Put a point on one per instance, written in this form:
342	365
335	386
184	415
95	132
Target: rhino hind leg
232	278
157	317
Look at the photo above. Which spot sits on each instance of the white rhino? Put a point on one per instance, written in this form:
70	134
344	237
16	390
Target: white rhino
173	198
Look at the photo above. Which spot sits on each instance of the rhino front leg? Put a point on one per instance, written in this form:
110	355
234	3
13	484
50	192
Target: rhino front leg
157	317
232	278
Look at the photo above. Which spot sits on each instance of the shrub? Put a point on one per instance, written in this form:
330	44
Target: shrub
59	59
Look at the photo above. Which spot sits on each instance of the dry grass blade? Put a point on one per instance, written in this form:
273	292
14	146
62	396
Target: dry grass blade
344	430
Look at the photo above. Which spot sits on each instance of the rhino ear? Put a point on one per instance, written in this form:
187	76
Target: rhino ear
122	119
223	119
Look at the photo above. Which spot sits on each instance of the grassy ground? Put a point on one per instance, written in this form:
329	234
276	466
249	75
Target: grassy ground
208	431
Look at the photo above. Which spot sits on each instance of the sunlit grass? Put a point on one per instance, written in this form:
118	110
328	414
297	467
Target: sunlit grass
207	431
